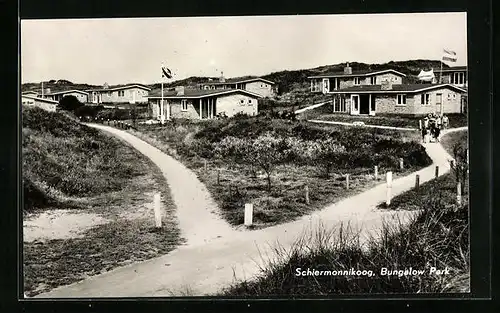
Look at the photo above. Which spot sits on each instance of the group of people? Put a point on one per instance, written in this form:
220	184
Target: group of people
432	125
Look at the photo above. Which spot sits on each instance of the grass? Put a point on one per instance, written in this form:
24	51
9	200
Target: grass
67	165
450	140
436	236
192	143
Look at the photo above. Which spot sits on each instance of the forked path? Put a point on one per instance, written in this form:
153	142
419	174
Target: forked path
201	269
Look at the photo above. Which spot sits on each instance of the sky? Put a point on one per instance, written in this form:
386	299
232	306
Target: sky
126	50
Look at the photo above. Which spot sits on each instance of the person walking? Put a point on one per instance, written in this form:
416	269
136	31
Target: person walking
445	121
437	133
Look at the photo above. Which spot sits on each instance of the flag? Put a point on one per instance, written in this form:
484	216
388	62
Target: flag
449	55
166	72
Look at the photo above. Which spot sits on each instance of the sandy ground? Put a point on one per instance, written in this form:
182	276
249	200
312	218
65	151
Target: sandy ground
206	265
58	224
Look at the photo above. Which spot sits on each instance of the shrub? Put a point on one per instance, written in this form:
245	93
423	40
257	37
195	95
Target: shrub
69	103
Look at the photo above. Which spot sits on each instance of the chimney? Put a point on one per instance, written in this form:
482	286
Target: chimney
179	90
386	85
222	79
347	69
105	86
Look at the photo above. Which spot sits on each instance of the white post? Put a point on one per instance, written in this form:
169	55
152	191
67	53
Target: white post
389	188
459	193
201	108
420	124
401	164
307	194
376	172
162	116
248	214
157	209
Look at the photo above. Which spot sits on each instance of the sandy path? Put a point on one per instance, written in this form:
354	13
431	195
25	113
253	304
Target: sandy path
205	269
196	210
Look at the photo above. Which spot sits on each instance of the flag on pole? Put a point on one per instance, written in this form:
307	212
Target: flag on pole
166	72
449	55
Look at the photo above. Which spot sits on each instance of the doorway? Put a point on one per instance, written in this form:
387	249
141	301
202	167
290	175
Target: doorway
364	104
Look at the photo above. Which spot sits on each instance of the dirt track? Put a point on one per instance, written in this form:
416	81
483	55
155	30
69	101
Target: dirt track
209	262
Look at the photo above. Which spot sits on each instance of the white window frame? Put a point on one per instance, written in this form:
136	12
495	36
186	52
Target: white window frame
242	102
250	102
373	80
426	97
184	105
401	99
357	80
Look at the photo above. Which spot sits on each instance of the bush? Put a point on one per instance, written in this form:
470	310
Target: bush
69	103
88	111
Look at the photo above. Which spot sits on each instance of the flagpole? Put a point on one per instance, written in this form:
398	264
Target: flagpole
161	105
441	72
42	88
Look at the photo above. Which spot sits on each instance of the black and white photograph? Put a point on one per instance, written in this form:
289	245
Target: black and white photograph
245	156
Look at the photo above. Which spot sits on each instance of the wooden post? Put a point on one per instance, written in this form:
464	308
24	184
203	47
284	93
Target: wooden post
347	181
437	171
376	172
401	164
157	209
389	188
459	193
248	214
420	124
467	152
307	194
205	164
218	176
417	182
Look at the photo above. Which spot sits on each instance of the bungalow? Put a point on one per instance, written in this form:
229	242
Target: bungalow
46	104
330	82
82	96
202	104
257	85
132	93
30	93
456	75
412	99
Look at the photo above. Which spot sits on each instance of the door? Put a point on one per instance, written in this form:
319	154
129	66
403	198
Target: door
355	104
326	85
439	103
364	104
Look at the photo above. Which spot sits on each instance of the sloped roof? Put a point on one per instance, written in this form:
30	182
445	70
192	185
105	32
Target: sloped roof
40	99
357	73
406	88
452	69
238	80
198	93
66	91
120	87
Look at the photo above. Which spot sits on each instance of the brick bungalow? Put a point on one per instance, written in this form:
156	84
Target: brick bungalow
260	86
331	82
203	104
387	98
131	93
46	104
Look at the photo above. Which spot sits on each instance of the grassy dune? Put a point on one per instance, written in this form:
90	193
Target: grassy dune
67	165
437	235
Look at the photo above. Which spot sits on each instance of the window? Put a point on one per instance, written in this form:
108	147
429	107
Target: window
373	80
315	85
184	105
401	99
250	101
458	78
356	80
425	99
121	93
242	102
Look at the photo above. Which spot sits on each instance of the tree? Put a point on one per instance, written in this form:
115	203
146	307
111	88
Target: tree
264	152
69	103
